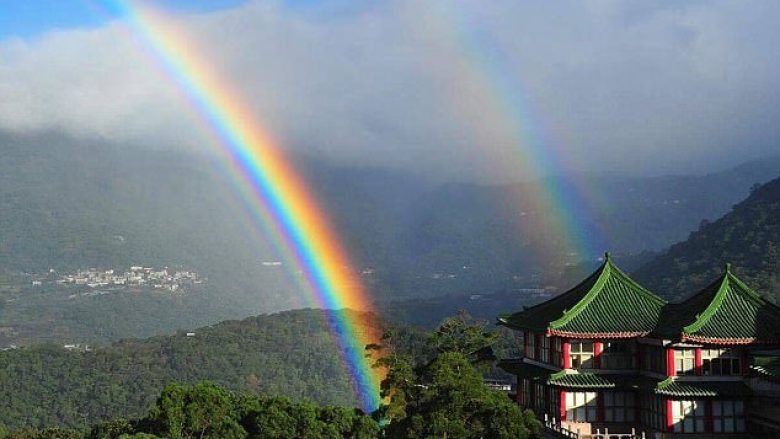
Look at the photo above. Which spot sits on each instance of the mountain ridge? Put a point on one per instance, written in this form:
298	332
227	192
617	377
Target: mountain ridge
748	237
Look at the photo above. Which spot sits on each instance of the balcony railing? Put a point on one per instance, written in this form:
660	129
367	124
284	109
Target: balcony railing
575	433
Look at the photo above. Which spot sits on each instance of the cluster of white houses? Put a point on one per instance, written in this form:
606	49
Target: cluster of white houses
610	354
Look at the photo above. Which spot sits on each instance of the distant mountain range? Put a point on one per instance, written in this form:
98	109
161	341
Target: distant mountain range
748	237
71	205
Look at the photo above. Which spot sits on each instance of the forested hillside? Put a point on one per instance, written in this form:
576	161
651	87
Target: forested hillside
748	237
289	354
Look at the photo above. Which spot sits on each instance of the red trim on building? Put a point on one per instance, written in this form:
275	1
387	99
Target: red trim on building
698	363
591	335
566	348
563	405
670	370
598	348
725	341
669	417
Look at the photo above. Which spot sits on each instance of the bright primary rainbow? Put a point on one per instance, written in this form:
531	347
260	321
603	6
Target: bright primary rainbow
275	194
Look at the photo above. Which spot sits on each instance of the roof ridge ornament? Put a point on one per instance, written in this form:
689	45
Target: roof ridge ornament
728	267
607	256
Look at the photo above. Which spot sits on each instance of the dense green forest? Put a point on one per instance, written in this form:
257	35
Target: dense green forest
748	237
290	353
112	393
205	410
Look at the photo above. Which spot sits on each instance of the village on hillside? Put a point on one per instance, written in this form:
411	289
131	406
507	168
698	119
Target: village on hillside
163	279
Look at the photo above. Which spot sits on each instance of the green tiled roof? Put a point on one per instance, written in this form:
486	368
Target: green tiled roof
608	304
726	311
584	380
580	380
525	370
702	389
766	367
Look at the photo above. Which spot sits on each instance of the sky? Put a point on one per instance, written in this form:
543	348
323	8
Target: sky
471	90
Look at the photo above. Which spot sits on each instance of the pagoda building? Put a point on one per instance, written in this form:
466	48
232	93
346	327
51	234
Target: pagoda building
610	354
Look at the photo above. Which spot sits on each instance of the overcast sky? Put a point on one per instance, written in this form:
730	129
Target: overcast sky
462	89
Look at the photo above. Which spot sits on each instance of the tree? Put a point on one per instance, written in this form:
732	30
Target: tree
49	433
203	411
139	436
446	397
465	335
450	400
114	429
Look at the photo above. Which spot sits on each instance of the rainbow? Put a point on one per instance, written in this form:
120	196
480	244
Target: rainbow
563	197
275	195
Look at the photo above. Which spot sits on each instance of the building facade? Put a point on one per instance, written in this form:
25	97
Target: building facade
610	354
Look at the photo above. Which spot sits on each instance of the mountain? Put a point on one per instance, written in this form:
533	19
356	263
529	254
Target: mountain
69	205
472	238
290	353
748	237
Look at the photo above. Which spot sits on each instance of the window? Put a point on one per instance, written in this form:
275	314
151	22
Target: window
557	352
688	416
539	400
728	416
618	355
654	358
530	345
553	401
684	361
654	412
721	362
619	407
581	406
581	354
544	349
525	392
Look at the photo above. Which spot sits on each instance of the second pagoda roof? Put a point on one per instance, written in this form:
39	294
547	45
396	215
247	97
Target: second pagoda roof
725	312
608	304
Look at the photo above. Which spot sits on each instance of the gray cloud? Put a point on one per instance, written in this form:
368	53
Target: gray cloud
634	86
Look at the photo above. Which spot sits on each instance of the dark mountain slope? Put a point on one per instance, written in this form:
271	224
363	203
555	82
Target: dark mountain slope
290	353
748	237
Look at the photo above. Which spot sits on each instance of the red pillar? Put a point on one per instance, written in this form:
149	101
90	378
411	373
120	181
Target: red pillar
598	347
669	418
563	405
698	363
566	353
670	362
